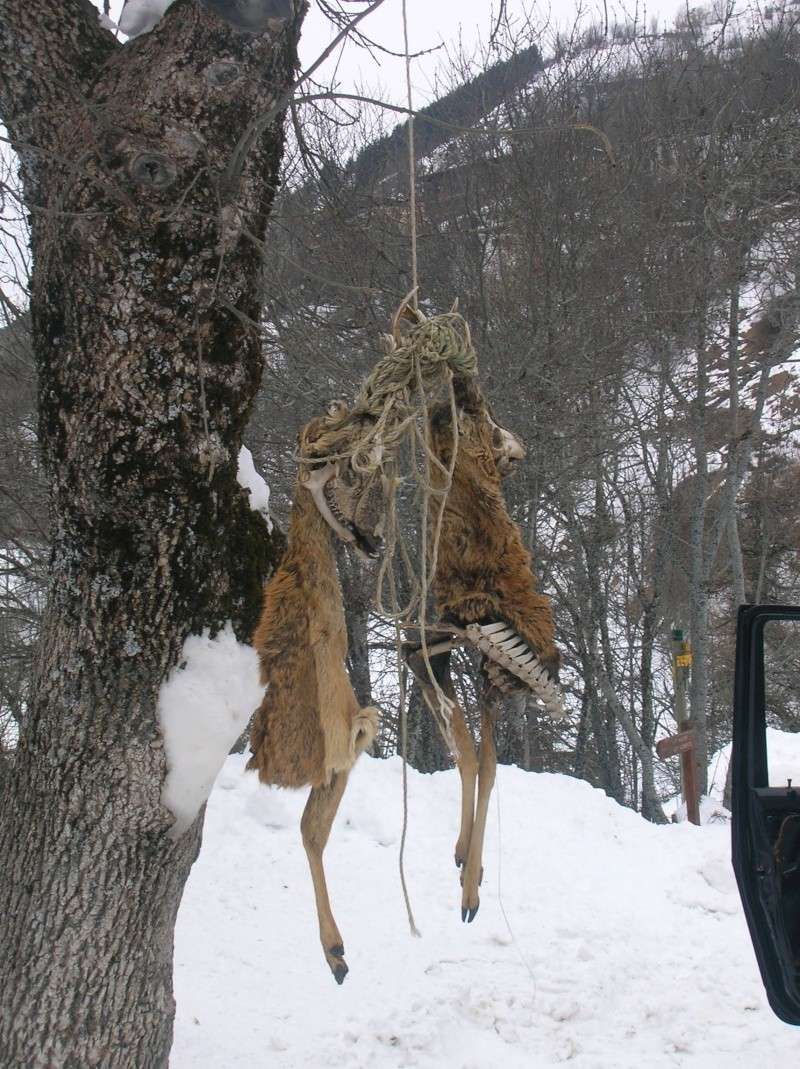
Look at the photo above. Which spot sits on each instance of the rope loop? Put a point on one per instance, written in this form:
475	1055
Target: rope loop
420	362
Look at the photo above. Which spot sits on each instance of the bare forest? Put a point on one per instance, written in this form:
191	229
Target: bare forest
201	248
617	216
616	213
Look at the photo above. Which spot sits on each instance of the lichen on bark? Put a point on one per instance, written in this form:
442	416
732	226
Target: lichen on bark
143	289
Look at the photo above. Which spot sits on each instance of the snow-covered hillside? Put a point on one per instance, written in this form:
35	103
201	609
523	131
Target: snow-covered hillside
625	944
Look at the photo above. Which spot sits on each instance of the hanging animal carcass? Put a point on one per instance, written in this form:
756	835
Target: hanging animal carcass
310	729
485	594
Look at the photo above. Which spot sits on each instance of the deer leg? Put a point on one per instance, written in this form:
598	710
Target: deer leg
487	766
465	756
467	762
316	827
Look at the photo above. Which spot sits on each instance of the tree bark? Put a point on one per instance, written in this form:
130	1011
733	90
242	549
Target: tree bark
426	750
143	297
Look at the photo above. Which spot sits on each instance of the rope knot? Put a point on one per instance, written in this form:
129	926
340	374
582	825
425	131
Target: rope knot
442	339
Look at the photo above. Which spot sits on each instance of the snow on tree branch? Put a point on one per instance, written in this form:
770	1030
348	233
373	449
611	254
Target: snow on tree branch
203	707
248	477
249	16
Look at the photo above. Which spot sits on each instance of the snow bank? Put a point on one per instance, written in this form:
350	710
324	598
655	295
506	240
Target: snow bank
249	478
625	945
203	708
783	761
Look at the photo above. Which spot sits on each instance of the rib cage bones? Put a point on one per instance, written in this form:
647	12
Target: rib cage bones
504	649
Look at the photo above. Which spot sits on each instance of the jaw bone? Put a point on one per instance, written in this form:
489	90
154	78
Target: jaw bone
315	482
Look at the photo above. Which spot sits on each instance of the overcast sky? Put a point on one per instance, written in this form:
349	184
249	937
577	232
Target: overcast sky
433	22
445	23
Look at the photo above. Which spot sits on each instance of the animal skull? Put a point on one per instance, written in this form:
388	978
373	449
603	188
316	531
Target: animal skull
507	448
352	502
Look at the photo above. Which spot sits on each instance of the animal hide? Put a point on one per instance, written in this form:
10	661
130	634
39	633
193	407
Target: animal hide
484	572
308	723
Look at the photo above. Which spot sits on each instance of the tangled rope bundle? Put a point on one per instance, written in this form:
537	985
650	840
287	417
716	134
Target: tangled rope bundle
432	342
417	364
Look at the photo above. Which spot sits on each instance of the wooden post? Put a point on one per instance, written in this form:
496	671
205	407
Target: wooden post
681	666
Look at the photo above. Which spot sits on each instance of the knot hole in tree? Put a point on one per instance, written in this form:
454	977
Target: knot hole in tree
223	73
153	170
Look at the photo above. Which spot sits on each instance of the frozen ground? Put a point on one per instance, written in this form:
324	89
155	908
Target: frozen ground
628	949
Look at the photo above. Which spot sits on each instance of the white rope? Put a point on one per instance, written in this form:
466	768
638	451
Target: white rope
412	169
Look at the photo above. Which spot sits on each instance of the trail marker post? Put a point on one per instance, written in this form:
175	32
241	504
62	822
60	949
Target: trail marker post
683	742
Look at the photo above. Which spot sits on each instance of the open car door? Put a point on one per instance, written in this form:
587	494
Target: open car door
766	817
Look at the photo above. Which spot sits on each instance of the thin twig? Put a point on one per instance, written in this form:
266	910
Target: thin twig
233	171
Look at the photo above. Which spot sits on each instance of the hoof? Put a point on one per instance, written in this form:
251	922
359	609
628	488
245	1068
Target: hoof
468	914
335	957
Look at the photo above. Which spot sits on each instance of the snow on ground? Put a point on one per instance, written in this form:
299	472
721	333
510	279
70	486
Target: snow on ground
629	948
783	762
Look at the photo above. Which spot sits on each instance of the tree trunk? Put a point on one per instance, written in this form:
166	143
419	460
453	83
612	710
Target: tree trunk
651	805
731	479
698	567
144	168
356	588
427	750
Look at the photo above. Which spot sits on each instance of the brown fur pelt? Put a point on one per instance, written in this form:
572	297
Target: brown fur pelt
309	721
484	572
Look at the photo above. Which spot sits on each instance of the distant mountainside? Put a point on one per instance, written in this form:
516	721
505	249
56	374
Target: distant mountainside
464	106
